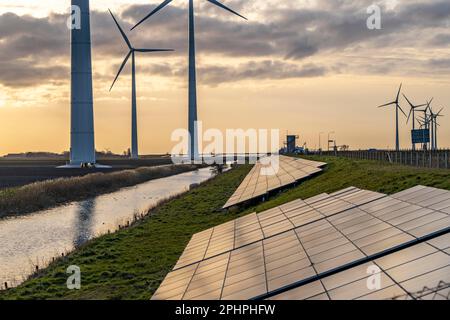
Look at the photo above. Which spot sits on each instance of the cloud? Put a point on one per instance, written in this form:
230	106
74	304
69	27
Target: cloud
21	74
262	70
214	75
282	39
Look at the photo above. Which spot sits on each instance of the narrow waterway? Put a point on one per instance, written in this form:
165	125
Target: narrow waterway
37	238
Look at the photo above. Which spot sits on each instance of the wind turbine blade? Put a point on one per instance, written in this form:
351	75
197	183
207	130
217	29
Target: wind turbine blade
220	5
409	102
162	5
429	104
387	104
399	89
121	68
124	36
409	115
153	50
398	106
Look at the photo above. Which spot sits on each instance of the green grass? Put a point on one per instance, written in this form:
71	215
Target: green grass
131	263
365	174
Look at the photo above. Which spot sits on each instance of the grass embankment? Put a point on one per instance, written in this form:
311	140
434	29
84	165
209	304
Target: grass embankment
47	194
131	263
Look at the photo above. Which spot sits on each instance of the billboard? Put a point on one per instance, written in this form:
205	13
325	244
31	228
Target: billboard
420	136
291	144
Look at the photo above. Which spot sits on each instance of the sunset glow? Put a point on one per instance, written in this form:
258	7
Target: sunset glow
299	66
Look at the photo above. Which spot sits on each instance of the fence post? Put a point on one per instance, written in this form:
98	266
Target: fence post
446	159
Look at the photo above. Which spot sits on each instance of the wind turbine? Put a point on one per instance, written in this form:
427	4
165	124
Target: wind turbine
397	107
435	124
426	121
412	112
131	52
193	134
433	132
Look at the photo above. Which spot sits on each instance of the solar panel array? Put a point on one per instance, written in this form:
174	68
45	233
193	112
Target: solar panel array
403	275
264	178
255	227
320	248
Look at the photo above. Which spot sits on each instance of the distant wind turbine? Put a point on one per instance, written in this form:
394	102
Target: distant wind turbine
193	144
435	124
134	134
397	107
426	122
412	112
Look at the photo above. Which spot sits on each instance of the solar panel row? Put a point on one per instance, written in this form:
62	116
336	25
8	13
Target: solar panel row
272	173
403	274
303	241
255	227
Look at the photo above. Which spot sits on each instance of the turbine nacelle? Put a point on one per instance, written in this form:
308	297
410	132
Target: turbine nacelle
412	107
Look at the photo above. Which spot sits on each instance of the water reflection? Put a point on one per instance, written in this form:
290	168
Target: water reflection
83	222
37	238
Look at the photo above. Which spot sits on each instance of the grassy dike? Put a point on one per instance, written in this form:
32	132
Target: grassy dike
131	263
46	194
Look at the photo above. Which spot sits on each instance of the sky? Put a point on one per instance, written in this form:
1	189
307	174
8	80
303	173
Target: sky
303	67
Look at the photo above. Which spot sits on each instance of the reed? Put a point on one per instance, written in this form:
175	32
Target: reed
50	193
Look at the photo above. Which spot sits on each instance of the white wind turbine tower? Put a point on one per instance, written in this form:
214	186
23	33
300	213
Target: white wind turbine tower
82	148
132	51
192	104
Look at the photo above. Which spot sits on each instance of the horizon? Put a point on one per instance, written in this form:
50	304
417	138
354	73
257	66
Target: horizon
304	67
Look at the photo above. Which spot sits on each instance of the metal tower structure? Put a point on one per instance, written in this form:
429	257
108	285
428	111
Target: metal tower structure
82	146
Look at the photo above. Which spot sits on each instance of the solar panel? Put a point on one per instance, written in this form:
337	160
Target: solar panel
403	275
257	184
309	244
432	198
255	227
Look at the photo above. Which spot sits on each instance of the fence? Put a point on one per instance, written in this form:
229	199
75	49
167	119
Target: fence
418	158
440	292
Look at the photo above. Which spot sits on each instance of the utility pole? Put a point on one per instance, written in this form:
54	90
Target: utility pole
320	141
